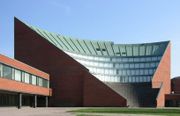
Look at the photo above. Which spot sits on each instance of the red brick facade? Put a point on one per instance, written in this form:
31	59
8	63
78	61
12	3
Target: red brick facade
71	82
161	77
15	86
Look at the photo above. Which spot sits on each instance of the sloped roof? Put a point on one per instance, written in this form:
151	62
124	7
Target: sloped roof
101	48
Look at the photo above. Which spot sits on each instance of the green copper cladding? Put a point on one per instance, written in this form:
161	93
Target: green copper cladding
102	48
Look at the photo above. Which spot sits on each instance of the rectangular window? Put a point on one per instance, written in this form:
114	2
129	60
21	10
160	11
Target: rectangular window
126	79
148	59
116	65
146	71
132	72
147	65
17	75
27	78
120	72
151	71
120	65
137	72
124	72
149	79
128	72
125	59
144	78
154	58
142	59
22	76
130	79
140	79
141	65
141	72
136	59
136	65
45	83
40	82
7	72
126	65
130	59
131	66
137	79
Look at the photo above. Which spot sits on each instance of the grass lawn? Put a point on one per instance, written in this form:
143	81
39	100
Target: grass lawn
150	111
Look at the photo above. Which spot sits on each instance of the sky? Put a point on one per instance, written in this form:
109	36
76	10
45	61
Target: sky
121	21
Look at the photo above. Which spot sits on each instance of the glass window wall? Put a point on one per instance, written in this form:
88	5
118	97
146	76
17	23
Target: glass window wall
18	75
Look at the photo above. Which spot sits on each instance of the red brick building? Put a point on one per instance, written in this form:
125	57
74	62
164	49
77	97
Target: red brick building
97	73
22	85
173	99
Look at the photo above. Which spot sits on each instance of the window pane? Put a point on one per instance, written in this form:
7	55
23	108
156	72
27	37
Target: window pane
7	72
131	65
45	83
33	80
40	82
26	77
17	74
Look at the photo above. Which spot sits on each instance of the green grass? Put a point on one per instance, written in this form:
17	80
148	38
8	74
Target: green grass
147	111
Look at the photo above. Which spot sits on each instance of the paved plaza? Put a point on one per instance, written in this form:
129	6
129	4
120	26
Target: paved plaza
27	111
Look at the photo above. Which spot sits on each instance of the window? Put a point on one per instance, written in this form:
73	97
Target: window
154	58
45	83
141	65
27	77
133	72
151	71
140	79
146	71
147	65
137	79
130	79
116	65
40	81
128	72
142	59
136	59
153	64
124	59
149	78
120	72
126	79
120	65
141	72
126	65
17	75
137	72
123	72
130	59
148	59
7	72
133	79
131	66
136	65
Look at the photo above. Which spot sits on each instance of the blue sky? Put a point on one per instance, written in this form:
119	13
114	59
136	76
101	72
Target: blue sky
121	21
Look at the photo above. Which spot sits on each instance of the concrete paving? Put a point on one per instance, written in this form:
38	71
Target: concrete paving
59	111
26	111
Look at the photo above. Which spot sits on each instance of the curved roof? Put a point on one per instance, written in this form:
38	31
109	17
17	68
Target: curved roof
101	48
